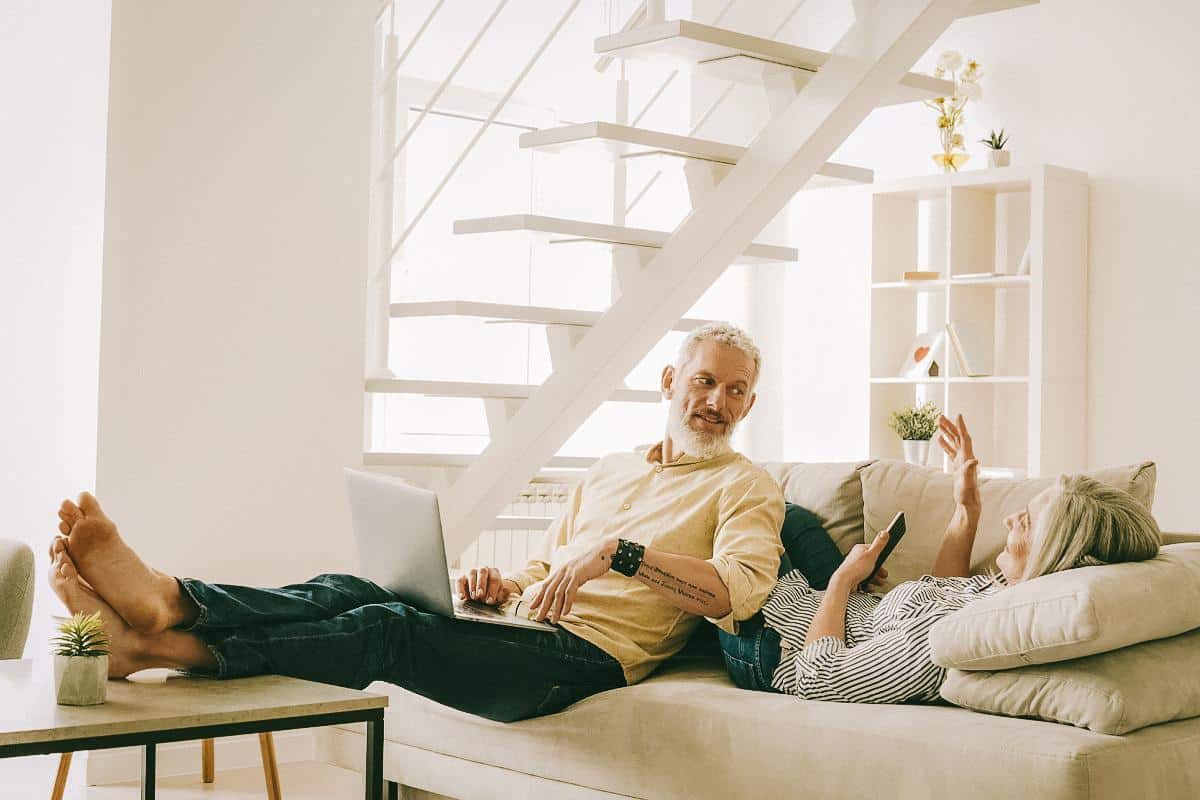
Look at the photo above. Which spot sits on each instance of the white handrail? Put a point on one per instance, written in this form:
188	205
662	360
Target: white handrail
635	19
395	68
483	127
408	134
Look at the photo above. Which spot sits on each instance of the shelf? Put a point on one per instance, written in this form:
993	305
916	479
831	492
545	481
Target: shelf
623	140
575	230
740	57
996	181
490	390
991	379
906	381
534	315
1000	282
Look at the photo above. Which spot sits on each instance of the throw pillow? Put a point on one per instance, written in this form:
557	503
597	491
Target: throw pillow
1074	613
926	497
831	491
807	546
1114	692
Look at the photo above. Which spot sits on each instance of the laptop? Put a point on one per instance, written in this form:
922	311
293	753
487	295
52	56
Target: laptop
398	529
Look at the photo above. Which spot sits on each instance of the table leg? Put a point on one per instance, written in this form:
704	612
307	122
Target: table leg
374	768
148	770
393	790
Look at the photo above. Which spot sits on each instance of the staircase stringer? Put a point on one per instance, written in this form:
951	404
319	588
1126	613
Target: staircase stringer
874	54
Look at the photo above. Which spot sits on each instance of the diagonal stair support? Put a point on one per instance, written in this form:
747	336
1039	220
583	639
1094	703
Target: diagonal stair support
877	50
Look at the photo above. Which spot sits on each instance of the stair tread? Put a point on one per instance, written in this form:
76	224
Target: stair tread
540	315
488	390
621	140
688	43
405	459
600	232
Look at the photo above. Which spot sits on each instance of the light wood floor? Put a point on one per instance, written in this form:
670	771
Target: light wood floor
33	778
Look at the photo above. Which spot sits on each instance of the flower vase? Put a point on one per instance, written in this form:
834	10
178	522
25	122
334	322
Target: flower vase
950	162
80	680
999	158
916	451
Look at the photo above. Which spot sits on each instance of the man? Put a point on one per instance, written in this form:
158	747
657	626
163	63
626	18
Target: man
649	544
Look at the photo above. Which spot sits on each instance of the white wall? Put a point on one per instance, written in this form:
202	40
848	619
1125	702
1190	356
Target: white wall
1105	88
54	85
231	360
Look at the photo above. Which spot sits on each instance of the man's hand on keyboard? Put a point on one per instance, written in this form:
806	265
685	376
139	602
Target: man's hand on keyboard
485	585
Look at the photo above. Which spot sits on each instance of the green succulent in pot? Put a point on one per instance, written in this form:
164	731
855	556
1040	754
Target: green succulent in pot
81	649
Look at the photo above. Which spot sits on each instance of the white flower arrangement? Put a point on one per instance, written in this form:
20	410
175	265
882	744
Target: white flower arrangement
965	75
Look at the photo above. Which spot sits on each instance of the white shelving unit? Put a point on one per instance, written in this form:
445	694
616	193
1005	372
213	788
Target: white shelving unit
1028	417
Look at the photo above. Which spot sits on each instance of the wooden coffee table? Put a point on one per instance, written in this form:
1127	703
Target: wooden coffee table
144	715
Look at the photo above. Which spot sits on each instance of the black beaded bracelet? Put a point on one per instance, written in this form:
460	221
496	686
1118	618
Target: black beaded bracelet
628	558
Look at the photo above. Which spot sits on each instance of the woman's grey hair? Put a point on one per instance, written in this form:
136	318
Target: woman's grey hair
724	333
1088	524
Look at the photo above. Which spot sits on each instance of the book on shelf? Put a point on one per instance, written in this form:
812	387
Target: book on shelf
1023	265
974	359
921	275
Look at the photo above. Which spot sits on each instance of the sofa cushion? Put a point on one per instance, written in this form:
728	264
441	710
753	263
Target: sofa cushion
831	491
688	732
1074	613
1114	692
926	497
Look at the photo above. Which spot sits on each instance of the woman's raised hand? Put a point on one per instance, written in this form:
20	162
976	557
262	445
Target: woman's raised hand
955	440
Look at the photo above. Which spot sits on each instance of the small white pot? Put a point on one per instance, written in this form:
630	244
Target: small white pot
916	451
999	158
80	680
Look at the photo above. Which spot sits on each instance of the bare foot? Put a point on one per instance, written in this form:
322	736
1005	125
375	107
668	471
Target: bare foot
148	600
127	647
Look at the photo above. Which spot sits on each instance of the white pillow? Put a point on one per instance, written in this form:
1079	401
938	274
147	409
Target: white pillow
1115	692
927	500
1074	613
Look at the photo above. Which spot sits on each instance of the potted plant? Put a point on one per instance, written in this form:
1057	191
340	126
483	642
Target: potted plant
915	426
81	660
997	155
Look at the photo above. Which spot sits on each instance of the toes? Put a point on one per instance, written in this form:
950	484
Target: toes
64	528
88	505
68	510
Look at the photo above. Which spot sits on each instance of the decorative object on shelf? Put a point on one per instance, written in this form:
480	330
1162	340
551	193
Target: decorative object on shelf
921	275
950	109
915	426
921	360
1023	266
974	360
81	660
997	155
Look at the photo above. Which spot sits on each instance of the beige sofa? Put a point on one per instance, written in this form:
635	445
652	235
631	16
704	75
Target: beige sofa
688	732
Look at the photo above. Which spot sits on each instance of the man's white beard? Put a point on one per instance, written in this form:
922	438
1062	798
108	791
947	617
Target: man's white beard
700	444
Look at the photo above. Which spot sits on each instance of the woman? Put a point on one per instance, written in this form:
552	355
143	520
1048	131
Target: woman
848	646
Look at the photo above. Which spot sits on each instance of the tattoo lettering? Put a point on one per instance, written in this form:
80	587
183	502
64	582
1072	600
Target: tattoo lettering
679	586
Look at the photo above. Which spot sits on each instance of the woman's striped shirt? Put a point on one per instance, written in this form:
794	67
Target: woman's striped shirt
885	657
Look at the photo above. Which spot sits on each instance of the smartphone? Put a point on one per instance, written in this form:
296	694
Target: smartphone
895	530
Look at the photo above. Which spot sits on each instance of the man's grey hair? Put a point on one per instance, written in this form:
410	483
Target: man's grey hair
723	333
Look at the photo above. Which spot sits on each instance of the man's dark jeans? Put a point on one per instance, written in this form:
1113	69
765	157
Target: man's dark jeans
347	631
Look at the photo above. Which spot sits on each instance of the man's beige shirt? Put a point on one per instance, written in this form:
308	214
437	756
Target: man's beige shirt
724	509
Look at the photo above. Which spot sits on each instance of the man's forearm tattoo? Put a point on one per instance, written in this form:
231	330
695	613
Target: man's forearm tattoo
676	585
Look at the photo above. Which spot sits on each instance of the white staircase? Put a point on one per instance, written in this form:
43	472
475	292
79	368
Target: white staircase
816	99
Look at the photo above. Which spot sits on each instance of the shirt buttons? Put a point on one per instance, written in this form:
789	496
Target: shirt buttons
658	469
625	507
